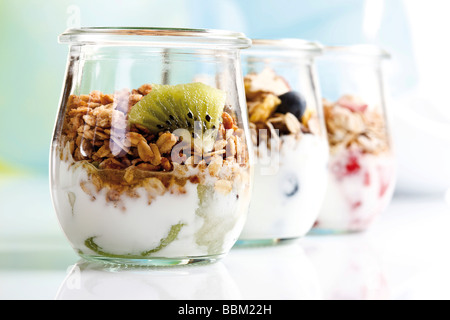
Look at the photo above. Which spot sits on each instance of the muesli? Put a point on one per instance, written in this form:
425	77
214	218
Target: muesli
291	157
361	171
160	171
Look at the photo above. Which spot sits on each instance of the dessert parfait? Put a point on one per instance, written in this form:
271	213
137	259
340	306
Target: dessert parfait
135	182
291	153
158	174
362	166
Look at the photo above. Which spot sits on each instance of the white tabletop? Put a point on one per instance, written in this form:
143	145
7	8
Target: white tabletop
404	256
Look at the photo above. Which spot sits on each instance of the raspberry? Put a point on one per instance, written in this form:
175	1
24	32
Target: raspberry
353	104
352	165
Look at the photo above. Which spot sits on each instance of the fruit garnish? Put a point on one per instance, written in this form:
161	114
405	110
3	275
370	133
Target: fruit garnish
215	228
72	198
171	236
352	103
183	106
346	167
290	186
292	102
352	165
307	116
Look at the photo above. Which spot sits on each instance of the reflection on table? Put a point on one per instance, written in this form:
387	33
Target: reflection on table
92	281
348	268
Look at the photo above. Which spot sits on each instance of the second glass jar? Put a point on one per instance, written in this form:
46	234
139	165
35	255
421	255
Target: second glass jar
289	139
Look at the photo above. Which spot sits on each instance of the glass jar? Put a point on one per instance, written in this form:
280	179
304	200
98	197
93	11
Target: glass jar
289	138
362	165
150	162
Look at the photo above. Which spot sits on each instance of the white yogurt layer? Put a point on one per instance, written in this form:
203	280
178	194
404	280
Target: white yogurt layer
205	227
354	199
287	201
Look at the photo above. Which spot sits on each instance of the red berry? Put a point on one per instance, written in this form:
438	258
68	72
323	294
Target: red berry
352	166
353	104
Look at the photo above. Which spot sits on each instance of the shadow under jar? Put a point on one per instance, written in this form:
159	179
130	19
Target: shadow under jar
289	138
149	161
362	164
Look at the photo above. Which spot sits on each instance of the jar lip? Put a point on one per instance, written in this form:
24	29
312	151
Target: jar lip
367	50
171	37
289	44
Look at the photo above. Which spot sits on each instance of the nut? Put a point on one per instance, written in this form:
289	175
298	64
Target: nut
228	121
145	89
104	151
292	123
156	161
231	147
145	151
96	134
106	99
129	174
166	142
134	98
135	138
166	165
220	145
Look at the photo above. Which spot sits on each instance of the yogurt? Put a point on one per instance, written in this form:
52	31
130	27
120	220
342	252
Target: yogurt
198	221
360	187
287	197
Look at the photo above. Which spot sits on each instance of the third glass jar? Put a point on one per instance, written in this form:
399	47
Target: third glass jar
288	133
362	165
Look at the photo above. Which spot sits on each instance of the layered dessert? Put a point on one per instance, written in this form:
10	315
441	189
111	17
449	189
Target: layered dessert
362	166
291	159
159	172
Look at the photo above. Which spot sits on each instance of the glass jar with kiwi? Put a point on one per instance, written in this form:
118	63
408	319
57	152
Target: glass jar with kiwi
289	136
150	161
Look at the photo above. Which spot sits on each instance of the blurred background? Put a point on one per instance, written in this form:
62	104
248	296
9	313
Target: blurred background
32	66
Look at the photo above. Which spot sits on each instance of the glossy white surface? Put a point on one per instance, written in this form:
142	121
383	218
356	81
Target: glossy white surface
404	256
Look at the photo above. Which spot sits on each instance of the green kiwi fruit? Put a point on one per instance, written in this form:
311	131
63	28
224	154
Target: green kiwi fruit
183	106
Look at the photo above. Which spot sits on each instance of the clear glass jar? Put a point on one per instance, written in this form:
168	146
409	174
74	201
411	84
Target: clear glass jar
362	164
289	136
150	162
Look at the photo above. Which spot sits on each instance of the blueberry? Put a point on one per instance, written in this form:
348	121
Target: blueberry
291	186
292	102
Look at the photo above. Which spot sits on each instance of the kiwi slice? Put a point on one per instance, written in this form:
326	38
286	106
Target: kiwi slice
183	106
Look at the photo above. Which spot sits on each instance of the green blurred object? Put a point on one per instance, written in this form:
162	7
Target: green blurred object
7	170
32	65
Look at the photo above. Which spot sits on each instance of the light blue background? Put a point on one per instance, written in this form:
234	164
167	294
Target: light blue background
32	63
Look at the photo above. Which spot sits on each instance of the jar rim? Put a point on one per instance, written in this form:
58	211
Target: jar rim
289	44
170	37
367	50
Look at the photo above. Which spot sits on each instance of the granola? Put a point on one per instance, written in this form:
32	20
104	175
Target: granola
291	155
351	125
267	123
121	157
361	169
